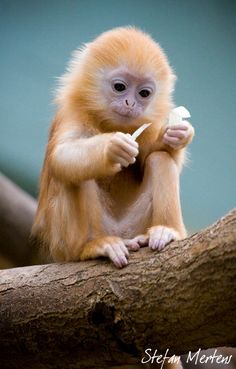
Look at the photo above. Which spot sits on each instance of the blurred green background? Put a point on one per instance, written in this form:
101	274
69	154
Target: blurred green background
199	37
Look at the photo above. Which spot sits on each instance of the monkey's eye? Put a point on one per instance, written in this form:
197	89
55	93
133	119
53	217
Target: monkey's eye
118	86
145	93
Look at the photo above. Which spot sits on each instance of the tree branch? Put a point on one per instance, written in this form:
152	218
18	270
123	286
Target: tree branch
91	315
17	210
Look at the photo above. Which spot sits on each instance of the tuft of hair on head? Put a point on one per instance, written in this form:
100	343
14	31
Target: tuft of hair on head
122	46
132	47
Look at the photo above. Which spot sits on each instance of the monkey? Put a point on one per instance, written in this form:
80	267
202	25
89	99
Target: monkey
103	194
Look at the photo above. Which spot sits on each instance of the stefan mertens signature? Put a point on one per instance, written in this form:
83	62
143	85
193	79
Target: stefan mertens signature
152	356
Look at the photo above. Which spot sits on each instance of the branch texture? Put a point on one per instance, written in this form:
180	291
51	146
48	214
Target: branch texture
91	315
17	210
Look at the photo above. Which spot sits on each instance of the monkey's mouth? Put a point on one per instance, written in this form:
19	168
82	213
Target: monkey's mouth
126	113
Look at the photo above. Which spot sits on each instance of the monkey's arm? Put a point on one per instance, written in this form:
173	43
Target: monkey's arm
174	139
75	159
79	159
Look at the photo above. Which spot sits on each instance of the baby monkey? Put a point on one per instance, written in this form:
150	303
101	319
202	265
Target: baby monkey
101	192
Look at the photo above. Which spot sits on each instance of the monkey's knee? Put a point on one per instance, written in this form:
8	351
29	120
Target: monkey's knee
161	171
159	160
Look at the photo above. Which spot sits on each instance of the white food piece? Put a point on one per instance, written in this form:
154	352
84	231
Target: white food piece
140	130
176	115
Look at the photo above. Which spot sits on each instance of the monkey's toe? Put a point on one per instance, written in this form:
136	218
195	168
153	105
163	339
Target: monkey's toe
135	243
117	253
132	245
160	237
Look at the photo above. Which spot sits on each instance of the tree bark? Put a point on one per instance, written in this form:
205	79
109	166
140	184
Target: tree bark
17	210
91	315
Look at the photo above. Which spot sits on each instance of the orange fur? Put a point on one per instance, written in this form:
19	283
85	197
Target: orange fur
83	196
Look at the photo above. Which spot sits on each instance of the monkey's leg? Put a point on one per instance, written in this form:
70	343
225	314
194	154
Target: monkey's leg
98	242
75	227
162	177
161	184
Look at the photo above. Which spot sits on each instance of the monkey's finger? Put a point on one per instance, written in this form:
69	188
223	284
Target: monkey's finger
124	248
142	240
118	155
116	158
170	140
122	253
175	143
123	261
117	167
161	237
109	252
132	245
155	237
167	237
165	240
123	154
175	133
125	163
181	126
126	138
124	141
155	240
129	149
113	256
120	250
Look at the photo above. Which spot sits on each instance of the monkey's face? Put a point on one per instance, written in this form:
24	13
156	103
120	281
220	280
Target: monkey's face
127	94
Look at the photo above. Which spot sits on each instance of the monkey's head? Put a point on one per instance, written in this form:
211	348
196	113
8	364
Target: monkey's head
123	77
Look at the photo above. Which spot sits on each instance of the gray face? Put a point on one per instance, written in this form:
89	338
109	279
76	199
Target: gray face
128	94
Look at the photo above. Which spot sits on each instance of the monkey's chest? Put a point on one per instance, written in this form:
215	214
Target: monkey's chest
126	204
120	192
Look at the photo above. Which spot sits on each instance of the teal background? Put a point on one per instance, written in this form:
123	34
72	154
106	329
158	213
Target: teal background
36	40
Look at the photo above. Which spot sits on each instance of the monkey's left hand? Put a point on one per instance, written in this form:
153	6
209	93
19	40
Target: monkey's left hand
179	135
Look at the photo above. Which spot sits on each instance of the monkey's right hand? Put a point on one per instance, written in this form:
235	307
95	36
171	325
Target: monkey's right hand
121	150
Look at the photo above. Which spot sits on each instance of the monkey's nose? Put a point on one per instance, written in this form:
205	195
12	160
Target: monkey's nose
130	103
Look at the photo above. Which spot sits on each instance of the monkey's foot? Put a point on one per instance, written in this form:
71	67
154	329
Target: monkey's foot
135	243
160	236
109	246
115	249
